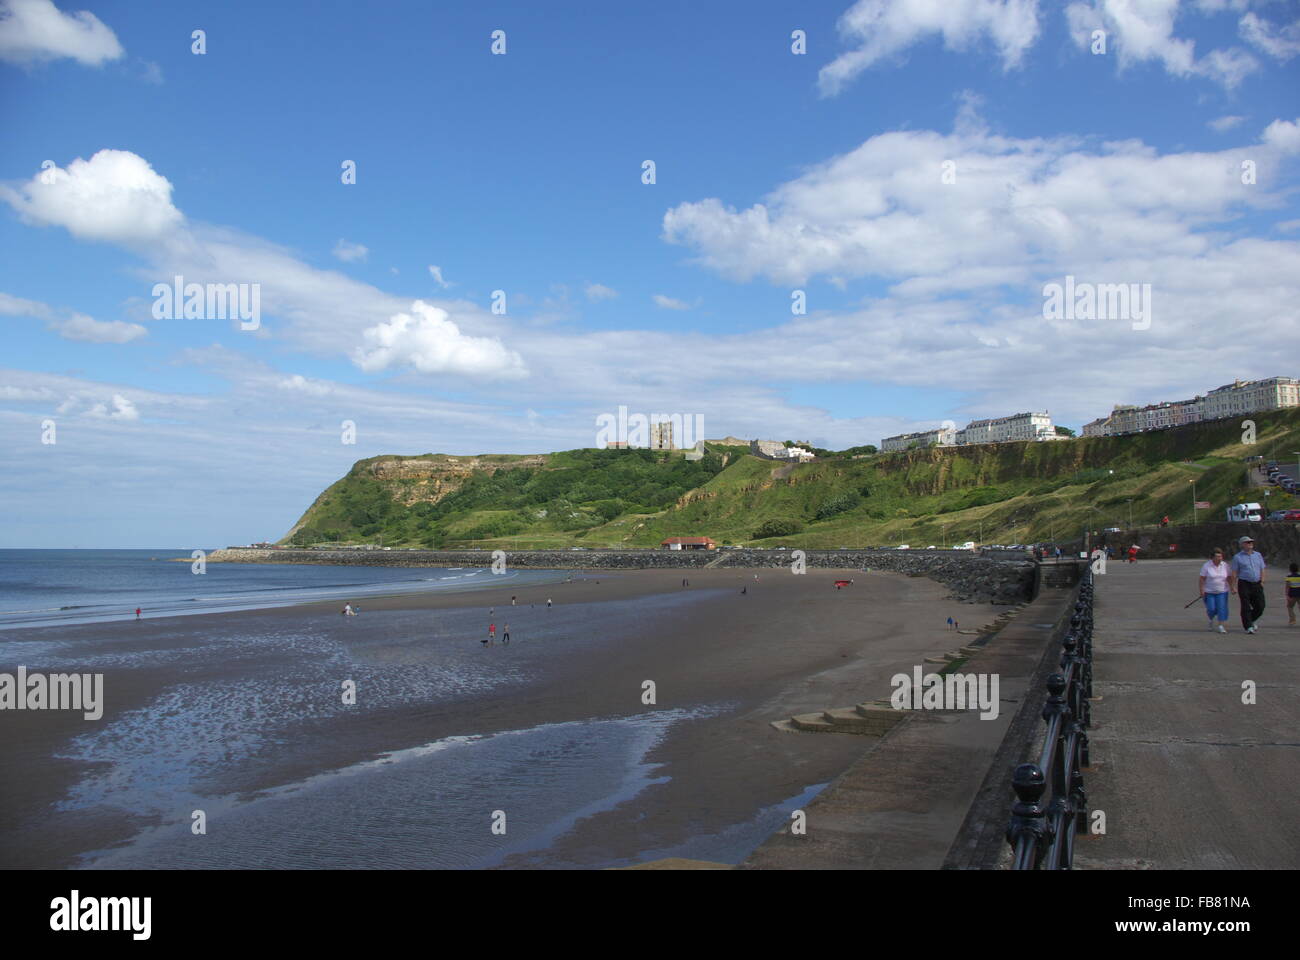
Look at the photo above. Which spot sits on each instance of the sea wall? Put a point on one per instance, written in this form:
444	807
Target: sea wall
1278	542
978	579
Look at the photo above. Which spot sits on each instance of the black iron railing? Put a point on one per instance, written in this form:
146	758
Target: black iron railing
1041	833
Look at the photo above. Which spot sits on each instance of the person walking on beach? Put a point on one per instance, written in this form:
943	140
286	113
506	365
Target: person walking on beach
1292	582
1248	572
512	601
548	603
1215	580
505	635
137	613
492	632
950	623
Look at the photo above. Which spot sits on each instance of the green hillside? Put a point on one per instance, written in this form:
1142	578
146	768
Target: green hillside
1015	492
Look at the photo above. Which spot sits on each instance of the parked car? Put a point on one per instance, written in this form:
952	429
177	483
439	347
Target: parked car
1291	516
904	546
1277	515
1112	530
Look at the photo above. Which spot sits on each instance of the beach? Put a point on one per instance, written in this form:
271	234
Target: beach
544	753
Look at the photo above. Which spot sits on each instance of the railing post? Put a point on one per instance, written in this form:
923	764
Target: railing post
1028	832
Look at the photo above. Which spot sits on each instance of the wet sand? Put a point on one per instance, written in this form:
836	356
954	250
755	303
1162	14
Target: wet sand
792	644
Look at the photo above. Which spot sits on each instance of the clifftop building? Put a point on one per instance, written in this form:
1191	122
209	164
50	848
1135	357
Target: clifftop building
776	450
1230	400
1018	426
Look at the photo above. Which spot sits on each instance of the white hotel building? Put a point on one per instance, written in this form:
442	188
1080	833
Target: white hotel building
1230	400
1019	426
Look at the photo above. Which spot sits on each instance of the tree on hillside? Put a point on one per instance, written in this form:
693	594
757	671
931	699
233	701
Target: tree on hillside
1063	431
777	528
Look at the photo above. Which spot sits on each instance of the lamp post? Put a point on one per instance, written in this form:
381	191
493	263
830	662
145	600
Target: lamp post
943	535
1130	513
1193	483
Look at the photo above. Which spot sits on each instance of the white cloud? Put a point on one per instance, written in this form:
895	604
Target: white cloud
1143	30
1283	135
84	403
431	342
71	325
598	291
152	72
668	303
1280	43
114	196
1224	124
78	326
1018	207
300	384
12	306
35	30
883	28
348	252
436	273
25	394
118	408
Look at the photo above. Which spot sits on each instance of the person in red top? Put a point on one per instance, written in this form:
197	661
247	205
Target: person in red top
1133	553
137	613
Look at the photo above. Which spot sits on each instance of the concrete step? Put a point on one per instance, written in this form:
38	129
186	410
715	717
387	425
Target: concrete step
851	721
876	708
969	651
812	723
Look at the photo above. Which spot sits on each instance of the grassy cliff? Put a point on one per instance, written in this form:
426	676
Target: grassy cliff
1015	492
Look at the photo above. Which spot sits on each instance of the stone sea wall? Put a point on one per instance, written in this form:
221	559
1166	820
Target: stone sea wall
969	577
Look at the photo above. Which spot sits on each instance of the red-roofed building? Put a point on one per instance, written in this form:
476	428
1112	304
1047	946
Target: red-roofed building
689	543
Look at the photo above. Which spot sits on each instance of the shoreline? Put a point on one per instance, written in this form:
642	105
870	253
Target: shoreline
725	664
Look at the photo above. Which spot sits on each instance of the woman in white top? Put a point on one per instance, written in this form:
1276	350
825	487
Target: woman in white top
1216	582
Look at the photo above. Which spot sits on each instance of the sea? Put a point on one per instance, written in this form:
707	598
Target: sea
63	587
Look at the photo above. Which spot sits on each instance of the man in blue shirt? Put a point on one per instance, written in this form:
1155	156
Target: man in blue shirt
1248	575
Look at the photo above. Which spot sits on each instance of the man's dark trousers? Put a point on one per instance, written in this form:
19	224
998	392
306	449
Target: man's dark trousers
1251	595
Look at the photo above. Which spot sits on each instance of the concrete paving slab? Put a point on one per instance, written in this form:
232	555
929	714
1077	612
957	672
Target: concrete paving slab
1189	775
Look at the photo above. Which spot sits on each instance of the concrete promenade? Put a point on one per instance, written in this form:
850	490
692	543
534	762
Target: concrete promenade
1187	774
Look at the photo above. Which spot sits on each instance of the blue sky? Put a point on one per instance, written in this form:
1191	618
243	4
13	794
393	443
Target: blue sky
522	172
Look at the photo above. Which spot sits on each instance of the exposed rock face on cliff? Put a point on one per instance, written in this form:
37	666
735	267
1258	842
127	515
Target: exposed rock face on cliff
432	478
424	479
